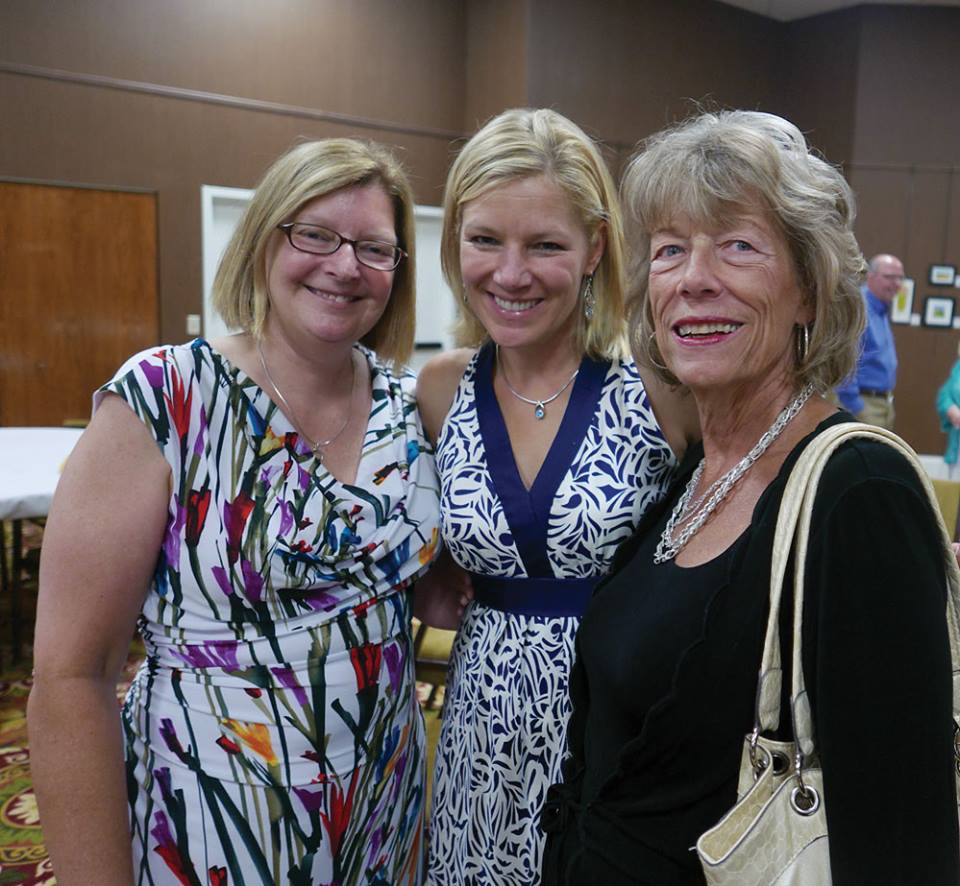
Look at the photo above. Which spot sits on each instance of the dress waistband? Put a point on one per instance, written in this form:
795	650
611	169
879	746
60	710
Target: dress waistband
545	597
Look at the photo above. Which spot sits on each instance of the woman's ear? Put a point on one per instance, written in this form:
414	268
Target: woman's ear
807	310
597	246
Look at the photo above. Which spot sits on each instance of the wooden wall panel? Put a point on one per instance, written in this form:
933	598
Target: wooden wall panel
623	69
908	82
370	58
884	197
497	31
820	92
78	295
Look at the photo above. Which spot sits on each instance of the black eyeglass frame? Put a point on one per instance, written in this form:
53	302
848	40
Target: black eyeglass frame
287	228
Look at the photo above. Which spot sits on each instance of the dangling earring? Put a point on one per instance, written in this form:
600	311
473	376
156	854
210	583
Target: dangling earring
589	299
802	343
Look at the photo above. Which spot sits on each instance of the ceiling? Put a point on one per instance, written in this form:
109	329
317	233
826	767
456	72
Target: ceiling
788	10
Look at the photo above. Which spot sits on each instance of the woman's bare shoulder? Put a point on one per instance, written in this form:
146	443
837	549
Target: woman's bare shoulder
436	386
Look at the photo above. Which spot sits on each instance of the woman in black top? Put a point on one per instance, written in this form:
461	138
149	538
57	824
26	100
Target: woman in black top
745	282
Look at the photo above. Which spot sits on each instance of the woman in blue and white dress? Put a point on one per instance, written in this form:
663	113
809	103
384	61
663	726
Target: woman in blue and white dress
549	451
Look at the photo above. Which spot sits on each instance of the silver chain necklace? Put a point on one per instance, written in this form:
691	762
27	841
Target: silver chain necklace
316	446
539	406
695	514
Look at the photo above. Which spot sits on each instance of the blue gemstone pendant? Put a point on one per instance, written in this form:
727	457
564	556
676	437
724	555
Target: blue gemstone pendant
539	411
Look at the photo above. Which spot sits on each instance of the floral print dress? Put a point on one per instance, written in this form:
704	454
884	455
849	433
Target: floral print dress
272	734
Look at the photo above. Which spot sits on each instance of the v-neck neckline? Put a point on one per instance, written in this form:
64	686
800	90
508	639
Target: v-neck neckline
319	472
527	511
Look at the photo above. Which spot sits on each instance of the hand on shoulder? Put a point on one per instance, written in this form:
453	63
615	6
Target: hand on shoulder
436	386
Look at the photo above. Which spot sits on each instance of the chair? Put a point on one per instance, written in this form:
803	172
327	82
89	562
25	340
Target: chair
12	574
948	497
431	653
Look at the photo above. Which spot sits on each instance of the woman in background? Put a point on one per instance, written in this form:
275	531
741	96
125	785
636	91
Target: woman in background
549	450
948	408
259	506
746	283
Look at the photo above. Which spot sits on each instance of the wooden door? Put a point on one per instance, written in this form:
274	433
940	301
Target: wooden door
78	295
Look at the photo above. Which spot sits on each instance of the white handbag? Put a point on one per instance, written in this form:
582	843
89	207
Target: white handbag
776	832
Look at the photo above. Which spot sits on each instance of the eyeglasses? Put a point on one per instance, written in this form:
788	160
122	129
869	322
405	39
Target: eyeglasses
322	241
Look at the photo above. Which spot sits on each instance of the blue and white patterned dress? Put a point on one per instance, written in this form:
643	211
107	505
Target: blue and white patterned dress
538	553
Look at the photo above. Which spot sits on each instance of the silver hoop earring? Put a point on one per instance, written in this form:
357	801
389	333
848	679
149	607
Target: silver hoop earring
802	343
589	299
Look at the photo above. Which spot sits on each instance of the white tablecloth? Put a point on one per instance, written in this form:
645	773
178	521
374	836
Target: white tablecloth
30	464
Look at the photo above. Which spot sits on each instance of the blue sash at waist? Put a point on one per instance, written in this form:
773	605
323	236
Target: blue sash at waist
545	597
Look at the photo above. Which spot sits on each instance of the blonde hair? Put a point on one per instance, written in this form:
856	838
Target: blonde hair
521	143
714	165
303	173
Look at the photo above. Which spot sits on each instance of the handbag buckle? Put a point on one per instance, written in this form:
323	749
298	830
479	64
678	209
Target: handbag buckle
758	761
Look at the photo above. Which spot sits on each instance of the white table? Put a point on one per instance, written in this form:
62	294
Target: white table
30	463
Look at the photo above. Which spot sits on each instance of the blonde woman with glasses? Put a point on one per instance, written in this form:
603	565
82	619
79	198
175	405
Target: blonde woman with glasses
259	506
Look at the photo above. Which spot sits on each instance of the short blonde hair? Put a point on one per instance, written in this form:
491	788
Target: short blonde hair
521	143
712	166
303	173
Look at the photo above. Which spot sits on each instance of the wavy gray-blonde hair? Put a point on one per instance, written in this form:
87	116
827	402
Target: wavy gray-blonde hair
520	143
302	174
713	166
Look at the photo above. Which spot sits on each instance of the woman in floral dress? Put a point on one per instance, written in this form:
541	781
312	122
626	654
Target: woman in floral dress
260	506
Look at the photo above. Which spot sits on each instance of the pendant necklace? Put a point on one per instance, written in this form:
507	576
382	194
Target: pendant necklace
316	446
539	406
695	514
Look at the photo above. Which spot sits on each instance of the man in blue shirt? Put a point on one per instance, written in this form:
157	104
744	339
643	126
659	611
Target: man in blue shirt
868	393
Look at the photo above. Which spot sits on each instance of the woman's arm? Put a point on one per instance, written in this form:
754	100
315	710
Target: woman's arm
100	547
947	406
880	685
441	596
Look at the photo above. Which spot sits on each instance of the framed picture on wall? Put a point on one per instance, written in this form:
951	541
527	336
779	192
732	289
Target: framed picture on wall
942	275
938	311
902	305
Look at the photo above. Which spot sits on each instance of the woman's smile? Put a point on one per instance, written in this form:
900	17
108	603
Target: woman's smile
705	331
516	306
336	298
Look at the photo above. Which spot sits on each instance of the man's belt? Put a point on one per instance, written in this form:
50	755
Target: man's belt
870	392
